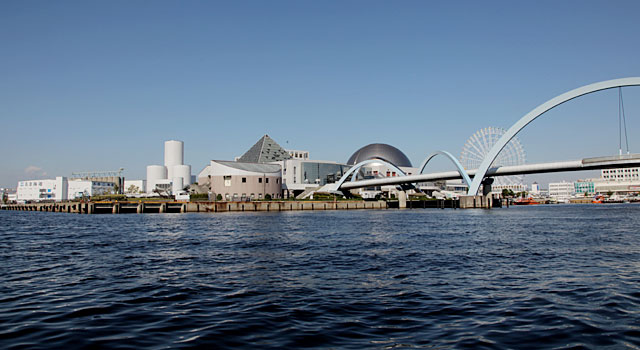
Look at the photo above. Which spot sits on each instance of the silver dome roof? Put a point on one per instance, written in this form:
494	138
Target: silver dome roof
380	151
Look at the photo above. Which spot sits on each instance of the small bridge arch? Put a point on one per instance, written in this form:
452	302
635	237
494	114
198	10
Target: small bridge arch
358	166
456	163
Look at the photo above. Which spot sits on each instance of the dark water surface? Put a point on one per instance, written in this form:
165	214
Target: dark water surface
535	277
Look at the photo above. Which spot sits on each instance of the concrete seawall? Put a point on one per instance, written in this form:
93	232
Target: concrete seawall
192	207
116	207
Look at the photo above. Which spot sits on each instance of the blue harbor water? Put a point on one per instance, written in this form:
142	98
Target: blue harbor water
564	276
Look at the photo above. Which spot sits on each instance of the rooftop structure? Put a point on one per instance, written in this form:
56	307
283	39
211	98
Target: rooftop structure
264	151
296	154
380	151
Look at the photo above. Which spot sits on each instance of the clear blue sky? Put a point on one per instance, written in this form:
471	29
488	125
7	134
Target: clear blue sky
99	85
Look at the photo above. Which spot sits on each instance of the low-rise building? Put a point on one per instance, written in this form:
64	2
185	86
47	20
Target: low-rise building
235	181
135	186
88	188
42	190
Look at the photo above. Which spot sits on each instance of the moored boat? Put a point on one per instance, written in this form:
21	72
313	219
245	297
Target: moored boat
525	201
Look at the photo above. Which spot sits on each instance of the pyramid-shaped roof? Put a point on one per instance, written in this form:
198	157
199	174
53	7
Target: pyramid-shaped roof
264	151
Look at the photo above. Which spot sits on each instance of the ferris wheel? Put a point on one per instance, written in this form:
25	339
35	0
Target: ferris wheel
478	146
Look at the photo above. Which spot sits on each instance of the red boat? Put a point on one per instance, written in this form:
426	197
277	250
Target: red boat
525	201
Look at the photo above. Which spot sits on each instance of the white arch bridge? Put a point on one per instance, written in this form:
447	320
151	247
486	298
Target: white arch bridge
474	178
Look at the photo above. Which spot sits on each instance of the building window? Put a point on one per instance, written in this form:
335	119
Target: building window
244	180
266	180
227	181
259	180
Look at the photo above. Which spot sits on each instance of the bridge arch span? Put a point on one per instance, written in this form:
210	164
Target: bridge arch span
535	113
357	167
454	160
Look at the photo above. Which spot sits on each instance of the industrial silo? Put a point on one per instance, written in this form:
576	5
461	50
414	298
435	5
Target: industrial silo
184	172
173	153
176	185
155	173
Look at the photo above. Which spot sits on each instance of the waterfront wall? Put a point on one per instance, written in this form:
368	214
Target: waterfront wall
204	207
193	207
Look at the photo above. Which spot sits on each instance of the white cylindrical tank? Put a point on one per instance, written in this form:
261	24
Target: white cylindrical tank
155	173
176	185
173	153
184	172
171	171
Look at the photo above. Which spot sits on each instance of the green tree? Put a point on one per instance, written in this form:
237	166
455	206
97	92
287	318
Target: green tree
219	197
267	197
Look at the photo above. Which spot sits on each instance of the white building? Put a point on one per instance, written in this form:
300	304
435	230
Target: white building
135	186
88	188
535	189
620	181
561	191
60	189
513	187
620	175
42	190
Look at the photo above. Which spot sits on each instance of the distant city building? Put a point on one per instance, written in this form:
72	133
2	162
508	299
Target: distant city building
535	188
515	187
622	174
561	191
582	187
235	181
7	195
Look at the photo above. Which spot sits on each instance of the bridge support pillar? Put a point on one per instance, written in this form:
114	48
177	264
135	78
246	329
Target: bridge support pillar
486	186
402	199
469	202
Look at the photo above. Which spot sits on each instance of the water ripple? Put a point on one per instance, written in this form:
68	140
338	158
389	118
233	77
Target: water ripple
560	277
